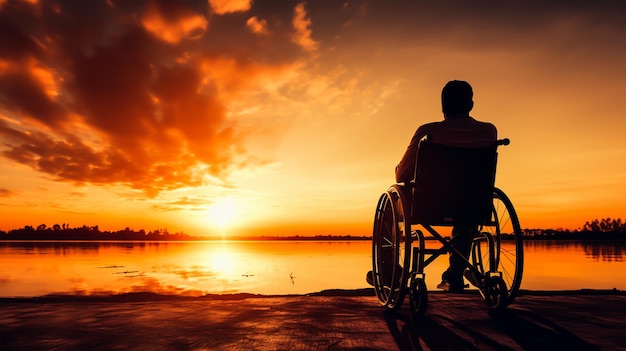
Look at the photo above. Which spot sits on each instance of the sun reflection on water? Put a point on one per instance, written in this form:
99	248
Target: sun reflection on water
198	268
222	261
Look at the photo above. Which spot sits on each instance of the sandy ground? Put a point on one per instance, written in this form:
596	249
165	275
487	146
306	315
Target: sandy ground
336	320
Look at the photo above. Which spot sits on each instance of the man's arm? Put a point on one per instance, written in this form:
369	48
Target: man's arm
406	168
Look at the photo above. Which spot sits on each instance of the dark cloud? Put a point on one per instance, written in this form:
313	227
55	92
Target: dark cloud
123	92
5	192
20	93
16	44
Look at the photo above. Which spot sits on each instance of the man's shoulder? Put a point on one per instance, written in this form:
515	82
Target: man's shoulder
431	125
474	123
482	122
452	123
449	125
486	125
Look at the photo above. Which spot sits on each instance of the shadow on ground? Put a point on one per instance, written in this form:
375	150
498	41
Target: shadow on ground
511	329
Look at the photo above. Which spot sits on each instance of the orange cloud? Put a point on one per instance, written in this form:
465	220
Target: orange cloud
199	203
173	23
221	7
302	23
257	26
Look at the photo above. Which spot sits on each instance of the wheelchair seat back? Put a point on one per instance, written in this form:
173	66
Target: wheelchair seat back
453	185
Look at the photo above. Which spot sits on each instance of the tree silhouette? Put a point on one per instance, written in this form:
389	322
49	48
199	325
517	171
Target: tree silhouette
605	225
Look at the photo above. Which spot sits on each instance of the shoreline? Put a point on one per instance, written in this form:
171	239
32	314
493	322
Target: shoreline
364	292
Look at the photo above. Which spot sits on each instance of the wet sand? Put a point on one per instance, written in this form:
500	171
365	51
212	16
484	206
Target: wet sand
332	320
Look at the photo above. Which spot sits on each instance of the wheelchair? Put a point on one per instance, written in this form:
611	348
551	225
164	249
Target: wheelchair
451	186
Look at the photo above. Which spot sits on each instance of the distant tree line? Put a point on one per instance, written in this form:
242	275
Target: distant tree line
605	225
65	232
597	229
601	229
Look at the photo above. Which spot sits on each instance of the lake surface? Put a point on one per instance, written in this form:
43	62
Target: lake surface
264	267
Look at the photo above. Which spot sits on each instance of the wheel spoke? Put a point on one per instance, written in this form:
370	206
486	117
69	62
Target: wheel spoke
388	250
504	231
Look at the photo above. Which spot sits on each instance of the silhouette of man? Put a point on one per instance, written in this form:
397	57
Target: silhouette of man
457	129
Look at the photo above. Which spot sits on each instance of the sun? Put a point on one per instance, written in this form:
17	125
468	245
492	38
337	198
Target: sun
222	213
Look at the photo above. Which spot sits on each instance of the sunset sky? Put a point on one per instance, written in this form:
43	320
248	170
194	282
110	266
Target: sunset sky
288	117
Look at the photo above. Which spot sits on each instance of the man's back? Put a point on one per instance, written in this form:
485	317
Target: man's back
462	131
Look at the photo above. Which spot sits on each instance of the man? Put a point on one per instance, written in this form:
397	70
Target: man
457	129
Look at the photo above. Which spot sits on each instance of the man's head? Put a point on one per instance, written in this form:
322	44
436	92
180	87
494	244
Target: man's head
456	98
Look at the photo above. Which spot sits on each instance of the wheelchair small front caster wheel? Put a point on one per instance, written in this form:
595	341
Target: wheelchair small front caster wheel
418	298
494	292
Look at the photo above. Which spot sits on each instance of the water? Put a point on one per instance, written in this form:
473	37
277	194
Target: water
264	267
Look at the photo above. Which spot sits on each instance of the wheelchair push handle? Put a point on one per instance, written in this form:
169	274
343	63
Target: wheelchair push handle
504	142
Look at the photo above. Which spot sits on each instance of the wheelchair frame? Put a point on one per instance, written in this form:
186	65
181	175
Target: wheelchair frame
399	253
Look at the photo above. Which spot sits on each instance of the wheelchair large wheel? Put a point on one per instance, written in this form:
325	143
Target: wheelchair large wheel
499	246
390	256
